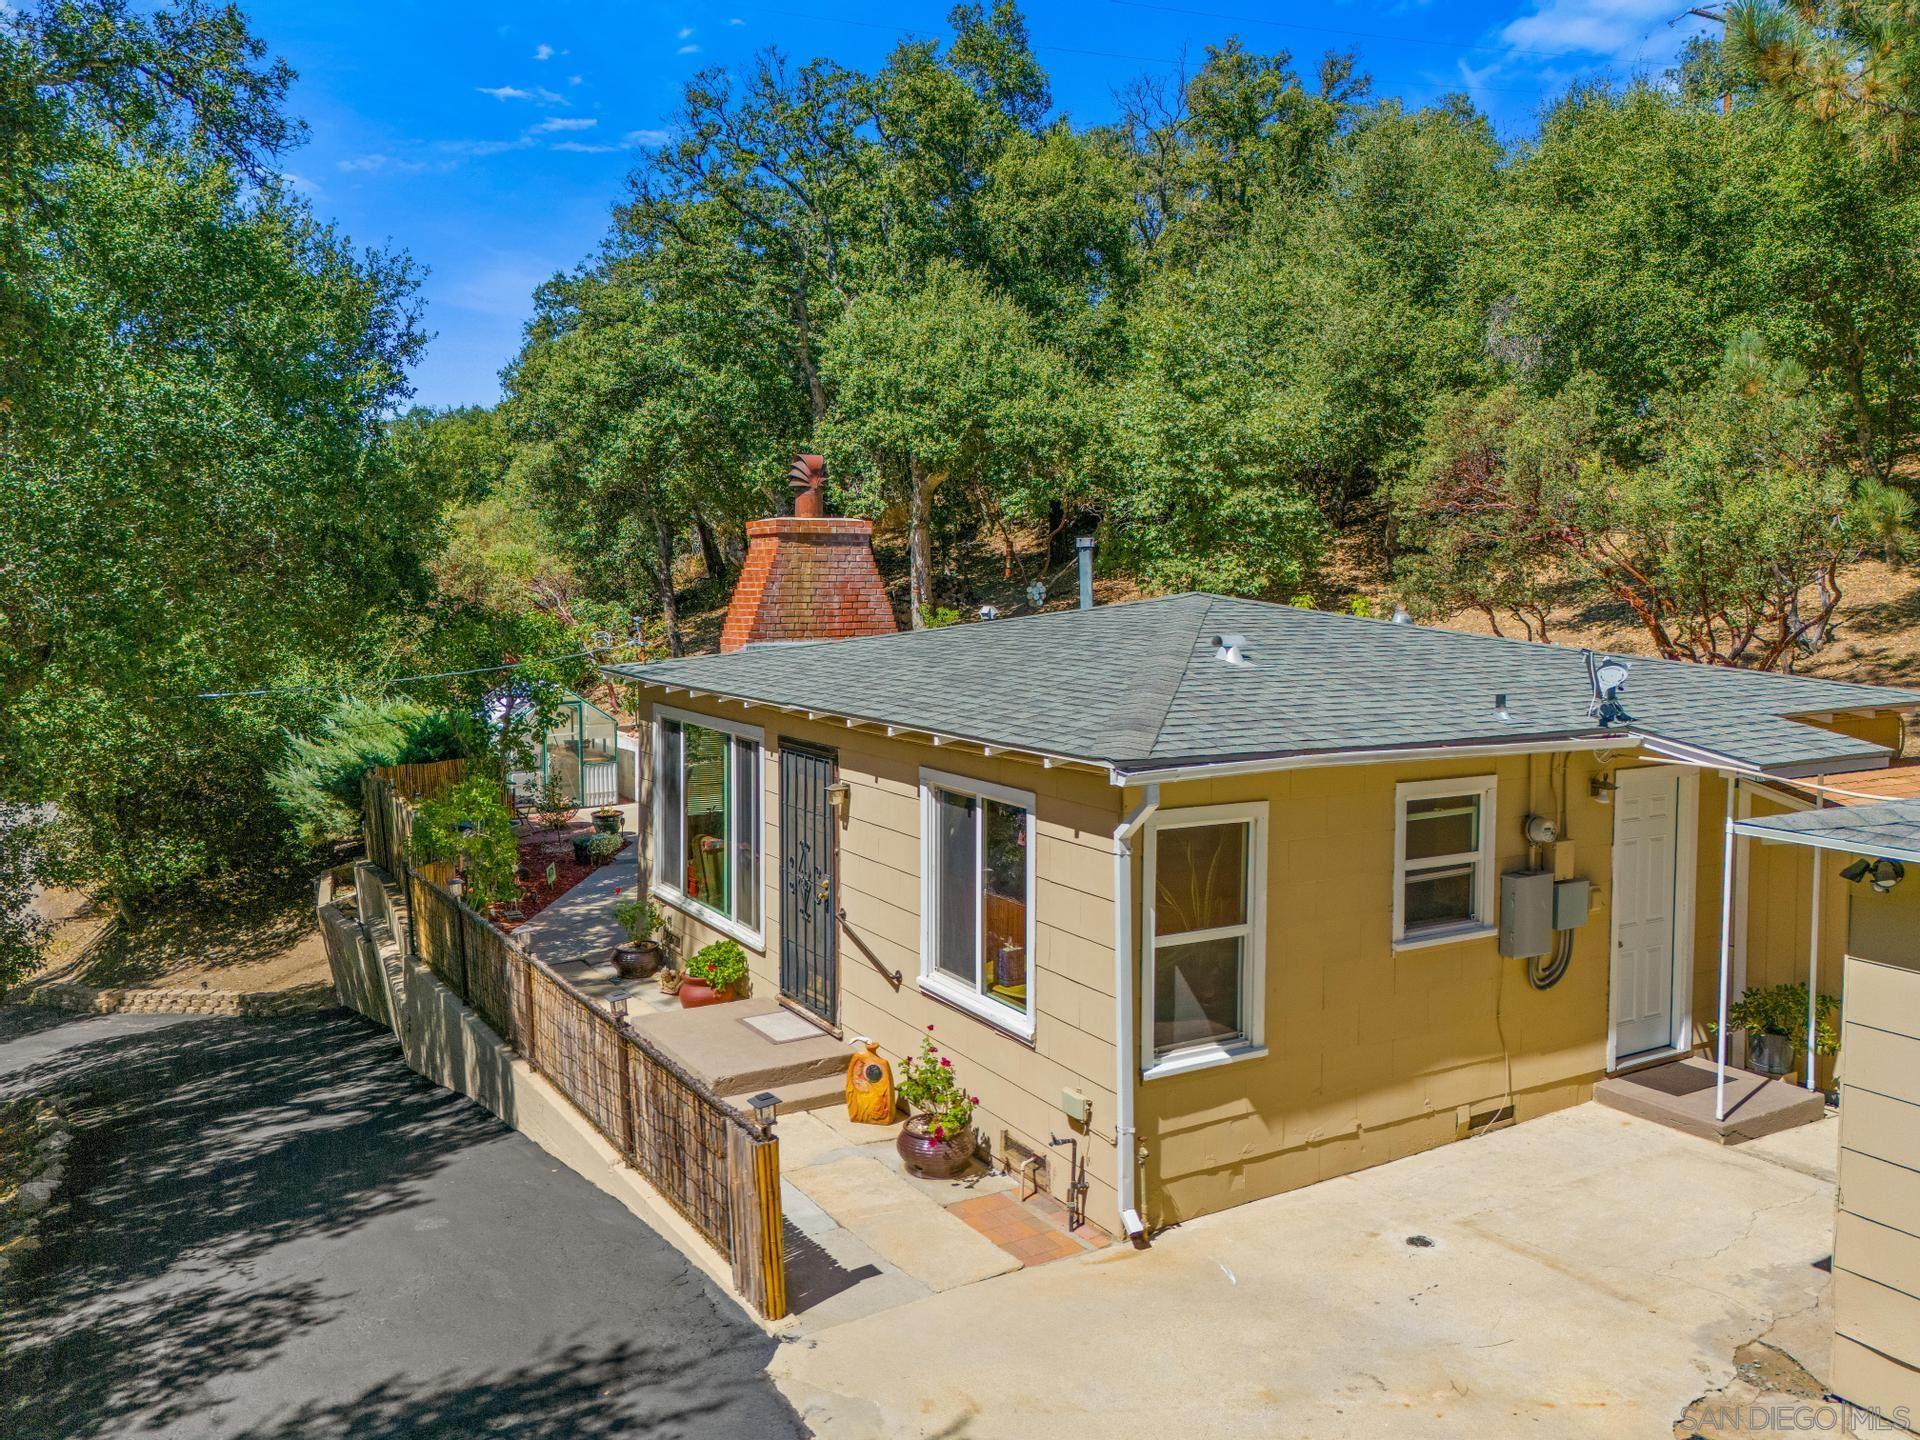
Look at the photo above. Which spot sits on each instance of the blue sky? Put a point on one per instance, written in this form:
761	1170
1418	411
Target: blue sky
489	140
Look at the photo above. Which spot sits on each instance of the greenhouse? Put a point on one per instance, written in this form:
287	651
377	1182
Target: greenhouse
580	748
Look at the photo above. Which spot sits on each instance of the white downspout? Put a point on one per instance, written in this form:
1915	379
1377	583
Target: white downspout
1126	1072
1726	953
1813	973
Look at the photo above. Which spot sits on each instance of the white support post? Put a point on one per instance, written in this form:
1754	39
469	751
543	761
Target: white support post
1726	953
1813	973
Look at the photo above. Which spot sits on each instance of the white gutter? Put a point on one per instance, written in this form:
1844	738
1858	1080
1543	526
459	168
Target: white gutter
1125	1147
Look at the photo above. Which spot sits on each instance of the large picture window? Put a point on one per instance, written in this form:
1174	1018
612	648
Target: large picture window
977	898
1443	861
706	819
1205	880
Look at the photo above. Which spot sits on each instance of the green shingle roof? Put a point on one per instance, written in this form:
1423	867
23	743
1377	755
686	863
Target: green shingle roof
1139	686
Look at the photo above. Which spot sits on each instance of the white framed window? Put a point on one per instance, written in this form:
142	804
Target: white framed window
976	898
707	788
1204	938
1442	860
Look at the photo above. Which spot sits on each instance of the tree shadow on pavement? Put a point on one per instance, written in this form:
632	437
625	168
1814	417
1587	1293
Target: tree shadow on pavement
197	1147
571	1392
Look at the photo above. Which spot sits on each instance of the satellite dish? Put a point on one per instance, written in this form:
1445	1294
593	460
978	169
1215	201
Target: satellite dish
1608	677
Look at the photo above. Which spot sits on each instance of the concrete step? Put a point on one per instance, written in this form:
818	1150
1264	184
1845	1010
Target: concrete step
716	1043
797	1095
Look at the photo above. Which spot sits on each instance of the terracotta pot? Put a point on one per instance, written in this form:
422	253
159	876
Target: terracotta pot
694	993
936	1159
636	962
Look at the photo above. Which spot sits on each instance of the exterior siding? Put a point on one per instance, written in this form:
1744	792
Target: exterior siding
1019	1084
1375	1054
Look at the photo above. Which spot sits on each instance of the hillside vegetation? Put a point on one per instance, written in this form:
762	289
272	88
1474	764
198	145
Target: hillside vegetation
1648	372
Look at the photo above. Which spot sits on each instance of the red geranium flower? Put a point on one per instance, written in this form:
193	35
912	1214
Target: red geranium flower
929	1029
946	1063
939	1132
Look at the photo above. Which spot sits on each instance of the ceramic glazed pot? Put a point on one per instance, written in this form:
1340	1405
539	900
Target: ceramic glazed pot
936	1159
695	993
1769	1054
607	822
636	962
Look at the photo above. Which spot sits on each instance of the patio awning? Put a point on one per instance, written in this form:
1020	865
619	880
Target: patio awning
1881	830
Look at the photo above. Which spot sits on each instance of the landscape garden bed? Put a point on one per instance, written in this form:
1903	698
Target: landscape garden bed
539	849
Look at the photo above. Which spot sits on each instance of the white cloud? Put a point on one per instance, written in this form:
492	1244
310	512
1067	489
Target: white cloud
632	140
686	32
688	50
299	184
514	92
1626	32
736	20
574	80
563	122
374	163
543	52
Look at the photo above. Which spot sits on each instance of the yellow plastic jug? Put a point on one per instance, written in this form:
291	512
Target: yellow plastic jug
869	1086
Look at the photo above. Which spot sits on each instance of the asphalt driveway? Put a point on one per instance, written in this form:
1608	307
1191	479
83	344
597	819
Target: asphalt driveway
277	1230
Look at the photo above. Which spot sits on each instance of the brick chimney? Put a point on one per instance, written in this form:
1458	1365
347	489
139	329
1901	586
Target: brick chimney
808	576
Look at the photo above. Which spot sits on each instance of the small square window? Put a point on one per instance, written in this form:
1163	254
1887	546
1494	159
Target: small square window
1443	859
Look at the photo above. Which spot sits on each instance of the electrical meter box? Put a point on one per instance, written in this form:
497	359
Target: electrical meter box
1571	899
1526	913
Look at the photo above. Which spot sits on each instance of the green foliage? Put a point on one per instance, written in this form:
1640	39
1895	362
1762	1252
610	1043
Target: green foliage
722	965
602	848
556	807
640	918
929	1087
1782	1010
317	782
193	495
939	617
471	825
22	932
1852	64
1726	541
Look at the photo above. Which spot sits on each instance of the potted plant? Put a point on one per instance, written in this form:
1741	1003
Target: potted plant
606	820
714	974
641	919
937	1140
1775	1019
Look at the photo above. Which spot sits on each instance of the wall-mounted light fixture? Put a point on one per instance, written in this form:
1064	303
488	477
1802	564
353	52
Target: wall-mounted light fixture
840	799
1601	788
1883	875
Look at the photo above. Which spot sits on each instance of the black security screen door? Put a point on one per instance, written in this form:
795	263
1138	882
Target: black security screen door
809	968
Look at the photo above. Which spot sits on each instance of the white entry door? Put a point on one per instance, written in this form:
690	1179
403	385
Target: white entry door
1653	818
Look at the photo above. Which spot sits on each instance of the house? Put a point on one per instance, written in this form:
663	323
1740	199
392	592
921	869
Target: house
1235	896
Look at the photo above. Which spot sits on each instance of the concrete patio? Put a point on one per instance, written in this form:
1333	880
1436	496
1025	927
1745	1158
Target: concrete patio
1584	1274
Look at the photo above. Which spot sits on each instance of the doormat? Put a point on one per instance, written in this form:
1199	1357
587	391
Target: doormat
782	1027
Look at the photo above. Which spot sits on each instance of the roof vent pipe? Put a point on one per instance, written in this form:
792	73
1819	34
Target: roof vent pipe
1231	649
1084	544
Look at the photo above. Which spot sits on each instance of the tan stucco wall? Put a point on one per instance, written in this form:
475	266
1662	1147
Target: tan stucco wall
1373	1053
1019	1084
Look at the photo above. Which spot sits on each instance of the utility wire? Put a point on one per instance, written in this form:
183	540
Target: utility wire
411	679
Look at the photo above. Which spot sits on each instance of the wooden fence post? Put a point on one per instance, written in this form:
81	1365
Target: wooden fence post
755	1221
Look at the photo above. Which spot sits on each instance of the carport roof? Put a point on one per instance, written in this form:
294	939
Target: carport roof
1889	829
